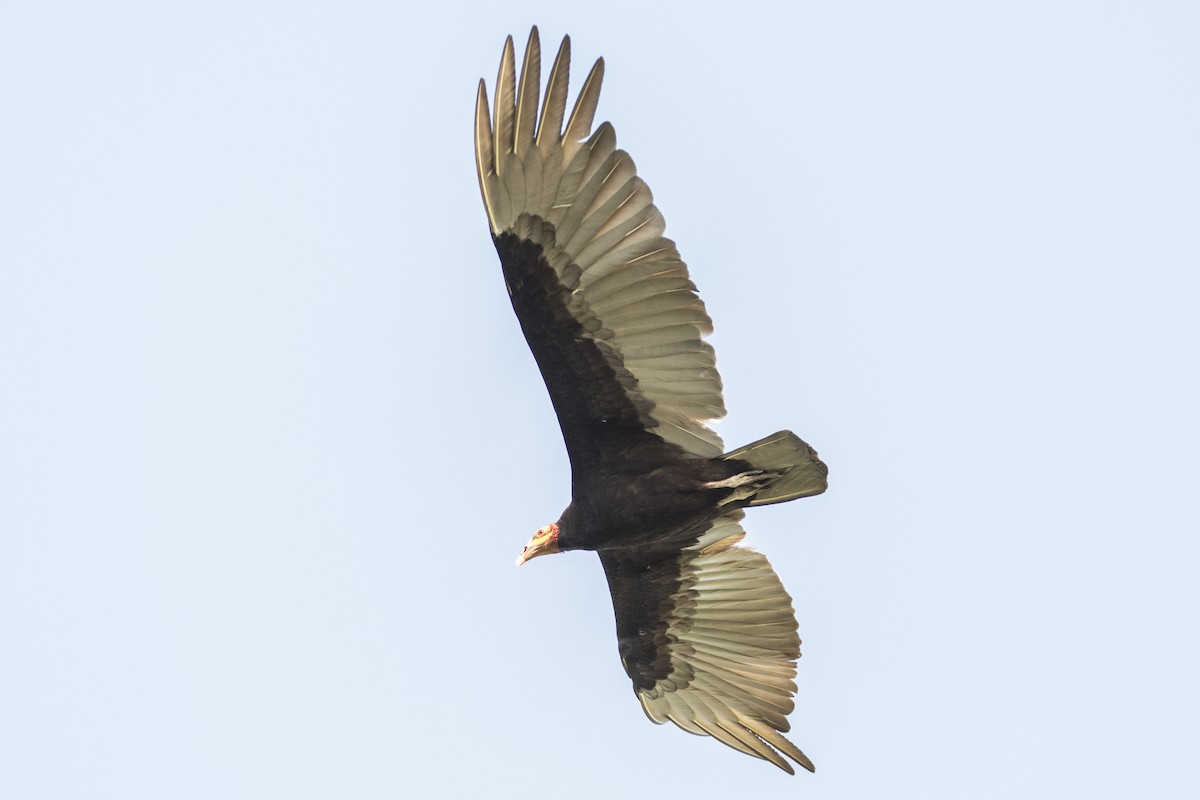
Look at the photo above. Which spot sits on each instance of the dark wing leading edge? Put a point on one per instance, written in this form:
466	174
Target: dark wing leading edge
605	301
709	638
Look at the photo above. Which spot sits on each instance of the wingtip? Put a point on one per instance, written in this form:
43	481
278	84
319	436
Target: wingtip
484	147
579	126
527	93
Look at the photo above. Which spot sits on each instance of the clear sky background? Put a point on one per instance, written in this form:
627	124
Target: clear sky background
270	437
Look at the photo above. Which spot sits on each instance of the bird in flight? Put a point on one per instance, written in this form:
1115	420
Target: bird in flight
705	629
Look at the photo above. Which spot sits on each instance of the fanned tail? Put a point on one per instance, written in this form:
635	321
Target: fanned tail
801	473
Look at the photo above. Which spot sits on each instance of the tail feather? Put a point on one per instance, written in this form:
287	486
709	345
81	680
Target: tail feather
802	473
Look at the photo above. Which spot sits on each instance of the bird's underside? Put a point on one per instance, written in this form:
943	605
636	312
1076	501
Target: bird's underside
705	629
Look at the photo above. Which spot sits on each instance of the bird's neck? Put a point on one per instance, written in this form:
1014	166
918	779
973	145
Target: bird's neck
567	529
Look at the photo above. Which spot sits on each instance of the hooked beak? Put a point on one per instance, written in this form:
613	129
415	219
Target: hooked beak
543	543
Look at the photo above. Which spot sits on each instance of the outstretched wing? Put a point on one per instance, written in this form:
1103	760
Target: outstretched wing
603	298
709	638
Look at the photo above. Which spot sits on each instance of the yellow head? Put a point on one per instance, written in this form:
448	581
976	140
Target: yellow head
543	543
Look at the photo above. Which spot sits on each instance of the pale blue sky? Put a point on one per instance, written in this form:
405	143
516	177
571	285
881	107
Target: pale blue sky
271	439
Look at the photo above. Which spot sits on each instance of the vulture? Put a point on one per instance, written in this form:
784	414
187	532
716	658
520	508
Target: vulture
705	629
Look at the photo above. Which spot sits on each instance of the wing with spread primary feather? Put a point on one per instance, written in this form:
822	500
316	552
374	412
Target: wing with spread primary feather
604	299
709	638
